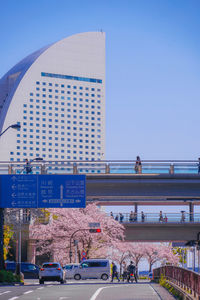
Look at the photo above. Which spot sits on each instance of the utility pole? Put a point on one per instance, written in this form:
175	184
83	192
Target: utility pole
19	258
1	238
13	126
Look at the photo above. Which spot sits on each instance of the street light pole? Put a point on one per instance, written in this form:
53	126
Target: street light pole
19	256
98	230
70	243
1	238
14	126
28	167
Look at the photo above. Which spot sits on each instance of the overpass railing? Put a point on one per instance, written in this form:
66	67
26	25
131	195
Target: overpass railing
185	279
103	167
156	218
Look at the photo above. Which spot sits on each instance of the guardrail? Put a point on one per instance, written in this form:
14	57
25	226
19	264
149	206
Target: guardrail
185	279
103	167
156	218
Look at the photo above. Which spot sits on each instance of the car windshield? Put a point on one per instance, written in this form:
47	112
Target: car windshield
51	266
84	265
28	267
68	267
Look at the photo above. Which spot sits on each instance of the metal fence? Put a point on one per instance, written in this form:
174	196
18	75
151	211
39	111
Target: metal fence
185	279
103	167
157	218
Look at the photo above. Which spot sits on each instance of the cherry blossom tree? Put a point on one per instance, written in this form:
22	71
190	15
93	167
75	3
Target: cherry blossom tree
159	252
136	253
169	256
54	237
119	253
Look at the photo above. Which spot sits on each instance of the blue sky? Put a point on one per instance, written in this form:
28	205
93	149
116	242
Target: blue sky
152	66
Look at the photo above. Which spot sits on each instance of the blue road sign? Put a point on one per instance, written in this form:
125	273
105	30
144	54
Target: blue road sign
61	191
18	191
37	191
83	258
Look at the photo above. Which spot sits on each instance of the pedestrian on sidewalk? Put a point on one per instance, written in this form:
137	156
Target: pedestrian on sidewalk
114	272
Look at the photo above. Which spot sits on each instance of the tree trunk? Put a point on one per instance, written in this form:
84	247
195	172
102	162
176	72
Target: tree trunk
150	267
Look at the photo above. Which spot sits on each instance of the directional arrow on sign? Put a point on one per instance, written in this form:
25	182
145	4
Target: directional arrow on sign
13	178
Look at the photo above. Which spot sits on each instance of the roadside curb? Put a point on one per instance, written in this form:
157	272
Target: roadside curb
11	283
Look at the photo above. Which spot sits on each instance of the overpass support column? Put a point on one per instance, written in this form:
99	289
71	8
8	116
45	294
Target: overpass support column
31	251
191	211
136	211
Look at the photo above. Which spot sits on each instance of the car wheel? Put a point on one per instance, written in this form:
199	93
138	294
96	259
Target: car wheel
77	277
104	277
62	281
41	281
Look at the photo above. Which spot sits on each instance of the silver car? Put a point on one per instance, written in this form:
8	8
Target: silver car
51	271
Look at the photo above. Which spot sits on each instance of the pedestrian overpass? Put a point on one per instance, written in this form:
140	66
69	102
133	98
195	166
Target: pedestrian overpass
156	232
116	183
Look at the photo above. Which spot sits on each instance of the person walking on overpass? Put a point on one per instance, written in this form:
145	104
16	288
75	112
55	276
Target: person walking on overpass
121	217
142	216
161	216
131	217
182	216
28	167
138	165
199	165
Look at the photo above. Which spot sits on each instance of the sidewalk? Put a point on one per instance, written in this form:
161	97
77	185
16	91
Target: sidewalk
162	292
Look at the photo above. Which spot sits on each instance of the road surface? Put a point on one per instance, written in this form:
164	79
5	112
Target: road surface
84	290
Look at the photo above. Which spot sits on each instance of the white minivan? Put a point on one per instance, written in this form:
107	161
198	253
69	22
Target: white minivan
70	270
93	269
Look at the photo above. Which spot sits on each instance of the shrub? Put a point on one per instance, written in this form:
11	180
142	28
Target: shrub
170	288
7	276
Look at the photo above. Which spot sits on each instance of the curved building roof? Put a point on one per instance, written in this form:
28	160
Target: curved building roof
78	59
10	81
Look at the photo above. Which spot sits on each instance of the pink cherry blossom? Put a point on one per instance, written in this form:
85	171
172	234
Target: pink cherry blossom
54	238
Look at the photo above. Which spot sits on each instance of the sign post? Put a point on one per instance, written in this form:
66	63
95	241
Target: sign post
1	238
94	225
83	255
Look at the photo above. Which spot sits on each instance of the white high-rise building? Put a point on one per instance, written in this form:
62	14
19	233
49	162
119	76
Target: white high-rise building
58	96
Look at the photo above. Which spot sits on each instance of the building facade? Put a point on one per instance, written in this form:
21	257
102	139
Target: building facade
57	94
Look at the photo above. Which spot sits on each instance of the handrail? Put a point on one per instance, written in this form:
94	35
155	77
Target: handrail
186	279
104	167
155	218
114	160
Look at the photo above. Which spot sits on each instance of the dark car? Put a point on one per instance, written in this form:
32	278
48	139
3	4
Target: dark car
29	270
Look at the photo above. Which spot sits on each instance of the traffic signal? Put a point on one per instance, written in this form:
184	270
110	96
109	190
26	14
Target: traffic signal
95	230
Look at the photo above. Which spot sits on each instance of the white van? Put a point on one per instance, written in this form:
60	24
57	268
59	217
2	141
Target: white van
93	269
70	270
